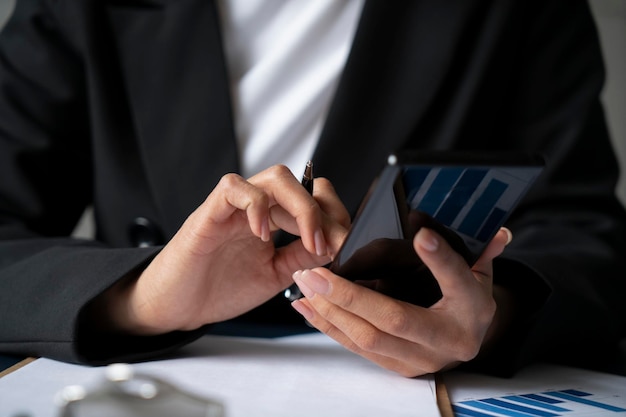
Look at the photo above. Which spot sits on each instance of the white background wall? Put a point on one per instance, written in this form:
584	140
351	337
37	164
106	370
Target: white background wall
611	18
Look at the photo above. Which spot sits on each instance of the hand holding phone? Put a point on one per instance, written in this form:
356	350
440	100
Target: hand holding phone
464	197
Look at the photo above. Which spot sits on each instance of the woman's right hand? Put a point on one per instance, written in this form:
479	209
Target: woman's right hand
222	261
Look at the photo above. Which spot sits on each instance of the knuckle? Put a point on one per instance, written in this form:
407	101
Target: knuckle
322	325
259	198
280	171
311	208
367	340
470	353
246	192
397	321
467	348
230	180
326	310
344	297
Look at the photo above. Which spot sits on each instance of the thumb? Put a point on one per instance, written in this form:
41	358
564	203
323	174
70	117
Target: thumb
484	264
447	266
496	246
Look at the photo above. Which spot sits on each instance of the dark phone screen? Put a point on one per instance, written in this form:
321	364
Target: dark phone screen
464	198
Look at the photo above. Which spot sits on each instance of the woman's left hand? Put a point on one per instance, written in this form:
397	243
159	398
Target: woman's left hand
404	337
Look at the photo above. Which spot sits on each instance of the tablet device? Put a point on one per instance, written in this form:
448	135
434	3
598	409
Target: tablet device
466	197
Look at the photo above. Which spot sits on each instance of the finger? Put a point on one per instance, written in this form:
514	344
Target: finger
294	257
367	346
281	219
286	191
234	193
397	318
447	266
493	249
329	201
335	217
427	337
467	294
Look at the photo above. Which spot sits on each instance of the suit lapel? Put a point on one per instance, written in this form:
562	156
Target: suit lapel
396	67
171	56
181	100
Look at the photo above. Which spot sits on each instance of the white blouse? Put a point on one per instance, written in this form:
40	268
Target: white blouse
284	59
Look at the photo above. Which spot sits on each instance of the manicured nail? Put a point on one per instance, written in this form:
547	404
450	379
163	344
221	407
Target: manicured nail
311	283
320	243
303	309
304	289
509	235
265	230
428	242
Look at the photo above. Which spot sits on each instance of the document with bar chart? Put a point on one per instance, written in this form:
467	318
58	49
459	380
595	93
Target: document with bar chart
540	391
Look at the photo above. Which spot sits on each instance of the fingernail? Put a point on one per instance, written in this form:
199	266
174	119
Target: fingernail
311	283
304	289
320	244
303	309
265	230
509	235
428	242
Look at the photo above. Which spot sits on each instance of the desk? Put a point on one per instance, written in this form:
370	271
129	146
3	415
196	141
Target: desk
595	394
305	375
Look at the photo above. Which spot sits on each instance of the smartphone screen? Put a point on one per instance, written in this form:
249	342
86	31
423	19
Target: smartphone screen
465	197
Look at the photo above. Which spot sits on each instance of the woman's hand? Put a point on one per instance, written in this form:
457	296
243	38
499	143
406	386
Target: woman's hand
403	337
222	262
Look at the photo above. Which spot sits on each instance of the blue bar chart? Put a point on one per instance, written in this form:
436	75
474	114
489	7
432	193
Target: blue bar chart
567	402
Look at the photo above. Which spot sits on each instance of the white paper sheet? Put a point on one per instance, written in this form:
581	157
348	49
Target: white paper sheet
604	394
308	375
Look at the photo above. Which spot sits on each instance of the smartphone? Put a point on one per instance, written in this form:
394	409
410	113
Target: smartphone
466	197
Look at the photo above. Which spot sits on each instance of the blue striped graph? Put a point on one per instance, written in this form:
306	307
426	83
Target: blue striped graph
569	402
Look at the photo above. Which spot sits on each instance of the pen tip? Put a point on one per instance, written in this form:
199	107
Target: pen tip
308	170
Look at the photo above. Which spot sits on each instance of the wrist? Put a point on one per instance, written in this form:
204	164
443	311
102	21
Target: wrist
116	310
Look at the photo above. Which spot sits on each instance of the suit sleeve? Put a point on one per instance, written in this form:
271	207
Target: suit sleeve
46	277
567	261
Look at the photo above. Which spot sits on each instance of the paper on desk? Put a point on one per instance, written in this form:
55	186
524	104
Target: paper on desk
308	375
602	394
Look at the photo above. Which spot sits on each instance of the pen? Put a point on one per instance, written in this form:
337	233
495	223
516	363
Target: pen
293	292
307	178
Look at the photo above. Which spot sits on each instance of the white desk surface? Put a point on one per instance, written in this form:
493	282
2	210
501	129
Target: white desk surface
307	375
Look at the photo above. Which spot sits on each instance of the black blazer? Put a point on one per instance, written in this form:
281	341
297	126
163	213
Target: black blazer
125	105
